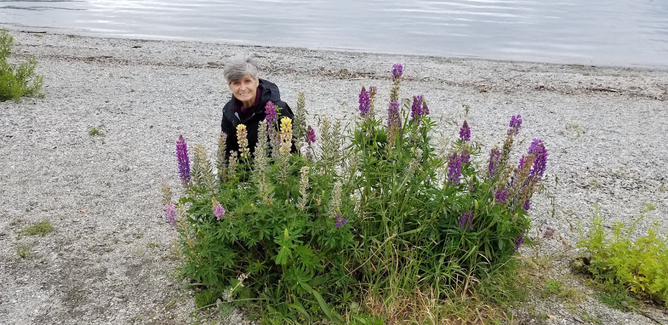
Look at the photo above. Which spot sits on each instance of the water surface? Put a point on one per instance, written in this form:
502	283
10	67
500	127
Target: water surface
610	32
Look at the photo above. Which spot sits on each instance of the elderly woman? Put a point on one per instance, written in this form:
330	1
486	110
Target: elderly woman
250	95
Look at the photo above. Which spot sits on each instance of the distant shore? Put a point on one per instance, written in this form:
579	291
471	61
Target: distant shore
108	260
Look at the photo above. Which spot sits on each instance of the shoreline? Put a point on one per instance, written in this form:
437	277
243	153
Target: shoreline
108	260
156	38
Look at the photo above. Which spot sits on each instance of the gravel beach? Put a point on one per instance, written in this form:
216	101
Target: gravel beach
110	258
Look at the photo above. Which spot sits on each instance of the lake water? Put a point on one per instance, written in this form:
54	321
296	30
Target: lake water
599	32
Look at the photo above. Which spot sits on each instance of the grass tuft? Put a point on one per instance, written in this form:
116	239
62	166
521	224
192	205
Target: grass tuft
41	228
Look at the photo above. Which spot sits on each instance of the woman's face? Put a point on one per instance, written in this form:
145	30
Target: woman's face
244	89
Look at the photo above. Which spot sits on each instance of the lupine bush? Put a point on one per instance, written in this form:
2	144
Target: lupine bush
639	266
16	81
322	233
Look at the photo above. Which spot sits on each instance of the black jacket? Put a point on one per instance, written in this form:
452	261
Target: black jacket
268	92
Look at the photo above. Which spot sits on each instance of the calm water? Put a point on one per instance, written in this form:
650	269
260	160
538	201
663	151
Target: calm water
601	32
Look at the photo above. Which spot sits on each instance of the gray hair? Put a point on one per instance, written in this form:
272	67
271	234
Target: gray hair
240	66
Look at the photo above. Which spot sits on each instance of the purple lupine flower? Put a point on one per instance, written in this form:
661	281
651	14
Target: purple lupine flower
465	132
184	162
519	242
397	71
393	117
527	205
466	156
515	123
494	157
364	102
218	210
523	162
170	213
310	136
549	233
339	221
467	219
501	194
537	149
454	168
270	112
416	109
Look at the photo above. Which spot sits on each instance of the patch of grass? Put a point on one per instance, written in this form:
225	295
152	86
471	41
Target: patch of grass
662	189
25	252
95	132
153	245
16	81
41	228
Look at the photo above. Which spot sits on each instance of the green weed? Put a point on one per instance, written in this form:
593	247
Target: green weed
94	132
41	228
624	266
16	81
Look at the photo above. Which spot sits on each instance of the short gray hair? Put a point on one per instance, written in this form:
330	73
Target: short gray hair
240	66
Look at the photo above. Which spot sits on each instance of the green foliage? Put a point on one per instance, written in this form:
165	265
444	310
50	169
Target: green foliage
41	228
352	231
624	265
16	81
94	132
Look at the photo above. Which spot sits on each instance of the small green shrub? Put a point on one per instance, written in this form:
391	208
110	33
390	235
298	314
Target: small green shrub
16	81
41	228
384	223
639	266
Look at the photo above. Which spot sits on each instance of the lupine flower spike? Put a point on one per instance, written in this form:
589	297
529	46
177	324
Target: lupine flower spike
184	162
242	139
170	213
465	132
467	219
501	195
270	114
365	102
397	72
416	108
493	165
218	209
454	168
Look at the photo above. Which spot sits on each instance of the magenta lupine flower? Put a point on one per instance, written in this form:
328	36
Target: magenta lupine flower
339	221
465	132
549	233
170	213
454	168
467	219
393	117
515	123
218	210
270	112
537	149
397	71
184	162
501	195
364	102
416	109
310	135
494	157
527	205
